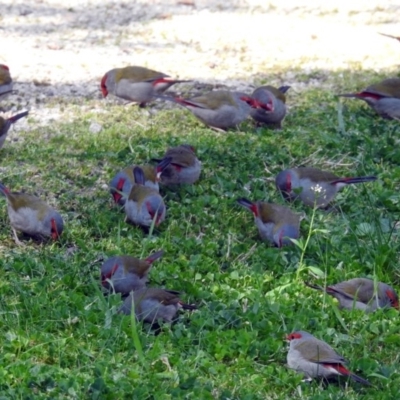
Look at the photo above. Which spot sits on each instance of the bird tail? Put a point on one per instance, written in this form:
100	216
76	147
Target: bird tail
188	306
312	286
390	36
359	179
358	379
342	370
155	256
284	89
163	163
331	290
175	292
16	117
248	204
138	174
365	95
245	202
4	191
6	92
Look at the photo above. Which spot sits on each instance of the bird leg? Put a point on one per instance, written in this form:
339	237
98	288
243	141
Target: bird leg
220	130
17	241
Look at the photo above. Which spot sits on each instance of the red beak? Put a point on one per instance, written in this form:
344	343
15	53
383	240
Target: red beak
117	197
54	231
158	218
267	107
103	86
120	185
109	275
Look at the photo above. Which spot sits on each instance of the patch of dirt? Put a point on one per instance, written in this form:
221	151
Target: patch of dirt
60	50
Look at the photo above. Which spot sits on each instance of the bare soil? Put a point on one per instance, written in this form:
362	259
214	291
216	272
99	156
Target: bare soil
58	51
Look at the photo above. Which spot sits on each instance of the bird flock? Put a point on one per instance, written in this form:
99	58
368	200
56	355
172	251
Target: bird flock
135	189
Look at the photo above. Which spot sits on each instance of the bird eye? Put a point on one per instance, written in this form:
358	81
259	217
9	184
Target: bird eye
293	335
289	337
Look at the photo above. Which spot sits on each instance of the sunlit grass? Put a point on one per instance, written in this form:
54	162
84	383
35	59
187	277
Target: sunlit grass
61	338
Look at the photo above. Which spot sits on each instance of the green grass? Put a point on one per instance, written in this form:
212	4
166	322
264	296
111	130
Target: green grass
62	339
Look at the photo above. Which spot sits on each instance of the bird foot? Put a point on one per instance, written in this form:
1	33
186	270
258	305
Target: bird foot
17	241
130	103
